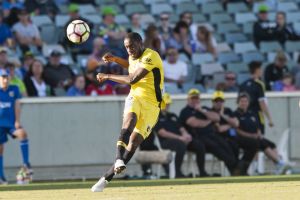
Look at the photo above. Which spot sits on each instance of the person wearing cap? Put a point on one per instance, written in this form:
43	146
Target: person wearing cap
263	29
226	128
199	121
172	134
14	80
249	134
10	109
112	32
27	34
255	88
275	71
56	74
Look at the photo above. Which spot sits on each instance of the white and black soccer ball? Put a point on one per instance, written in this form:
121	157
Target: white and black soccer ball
78	31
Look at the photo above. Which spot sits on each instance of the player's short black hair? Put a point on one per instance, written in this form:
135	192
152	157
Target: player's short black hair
253	66
243	95
134	36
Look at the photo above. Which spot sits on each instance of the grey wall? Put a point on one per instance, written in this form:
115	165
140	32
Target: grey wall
75	131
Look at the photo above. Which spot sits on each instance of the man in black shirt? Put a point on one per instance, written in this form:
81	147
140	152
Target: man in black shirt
199	121
275	71
263	29
172	135
255	88
227	129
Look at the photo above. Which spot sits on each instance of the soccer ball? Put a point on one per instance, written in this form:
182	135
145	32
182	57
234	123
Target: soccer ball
78	31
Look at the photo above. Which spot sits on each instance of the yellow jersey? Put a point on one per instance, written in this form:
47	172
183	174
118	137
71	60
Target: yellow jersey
149	88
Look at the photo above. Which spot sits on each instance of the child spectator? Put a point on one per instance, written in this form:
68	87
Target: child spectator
77	89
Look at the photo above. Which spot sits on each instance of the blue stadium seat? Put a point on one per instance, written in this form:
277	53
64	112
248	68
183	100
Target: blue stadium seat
287	6
200	58
271	56
172	88
293	17
243	47
176	2
122	19
227	28
248	28
242	77
158	8
236	7
188	6
213	7
292	46
265	47
228	57
248	57
188	86
237	67
199	18
41	20
87	9
235	37
242	18
217	18
135	8
211	68
223	47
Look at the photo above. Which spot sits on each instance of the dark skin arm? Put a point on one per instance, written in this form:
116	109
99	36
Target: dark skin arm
108	57
124	79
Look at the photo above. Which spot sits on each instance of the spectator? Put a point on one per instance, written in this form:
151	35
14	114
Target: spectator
296	73
28	59
77	89
27	34
44	7
175	70
284	31
94	61
187	17
83	48
199	121
97	89
205	42
56	74
11	16
164	29
230	82
181	39
6	37
263	29
285	85
249	129
153	40
255	88
3	58
136	25
227	129
172	135
14	80
112	32
34	81
275	71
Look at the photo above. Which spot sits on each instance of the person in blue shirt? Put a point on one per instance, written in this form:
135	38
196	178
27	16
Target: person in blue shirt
10	108
5	32
77	89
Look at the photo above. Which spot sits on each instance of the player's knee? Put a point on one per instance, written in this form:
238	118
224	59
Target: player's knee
129	121
22	135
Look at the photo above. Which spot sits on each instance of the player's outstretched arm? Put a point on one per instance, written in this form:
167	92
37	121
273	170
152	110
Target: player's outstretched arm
124	79
108	57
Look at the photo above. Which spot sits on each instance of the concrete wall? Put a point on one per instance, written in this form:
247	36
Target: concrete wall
76	131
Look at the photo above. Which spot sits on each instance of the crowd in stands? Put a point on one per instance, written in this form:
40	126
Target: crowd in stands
206	46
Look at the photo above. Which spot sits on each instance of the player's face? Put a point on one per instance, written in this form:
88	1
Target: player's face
194	101
218	104
243	103
133	48
4	82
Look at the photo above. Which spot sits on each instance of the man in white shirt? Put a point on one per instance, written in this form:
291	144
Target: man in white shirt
27	34
175	69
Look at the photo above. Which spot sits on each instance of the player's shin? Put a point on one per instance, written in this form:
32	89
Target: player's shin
24	145
122	143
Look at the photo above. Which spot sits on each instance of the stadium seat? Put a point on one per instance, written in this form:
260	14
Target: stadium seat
135	8
235	37
223	47
201	2
101	2
158	8
82	60
265	47
173	18
183	57
199	18
49	34
218	77
248	57
188	6
95	19
122	19
149	2
122	2
200	58
243	47
296	56
296	26
172	88
242	77
61	20
292	46
41	20
237	7
146	19
271	56
272	16
242	18
192	72
293	17
116	7
188	86
217	18
227	28
218	37
211	68
48	48
248	28
176	2
228	57
213	7
87	9
287	6
237	67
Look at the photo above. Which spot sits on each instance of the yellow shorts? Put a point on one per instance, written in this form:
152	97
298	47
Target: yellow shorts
147	114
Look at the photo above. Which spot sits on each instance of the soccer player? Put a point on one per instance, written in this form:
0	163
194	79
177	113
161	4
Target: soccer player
142	106
10	121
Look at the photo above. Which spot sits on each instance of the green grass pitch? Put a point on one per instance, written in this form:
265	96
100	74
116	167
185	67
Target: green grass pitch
231	188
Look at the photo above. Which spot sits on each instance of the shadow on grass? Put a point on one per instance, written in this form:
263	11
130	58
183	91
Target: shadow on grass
136	183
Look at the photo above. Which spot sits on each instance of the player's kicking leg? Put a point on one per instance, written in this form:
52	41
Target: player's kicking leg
135	140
